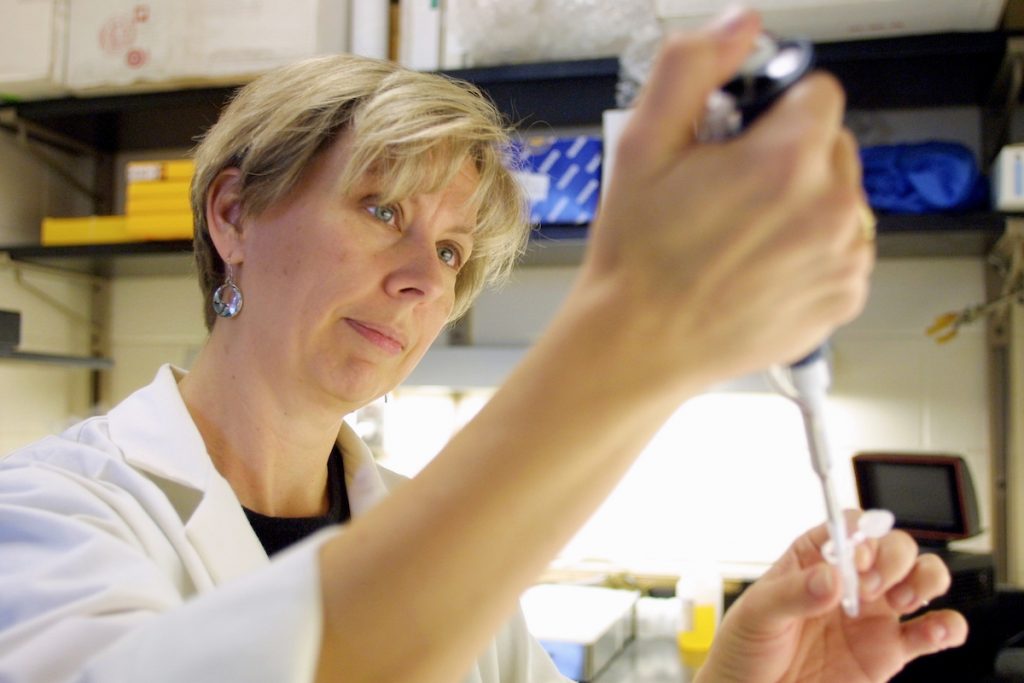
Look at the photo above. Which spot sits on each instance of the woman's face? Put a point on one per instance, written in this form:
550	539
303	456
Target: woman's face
344	295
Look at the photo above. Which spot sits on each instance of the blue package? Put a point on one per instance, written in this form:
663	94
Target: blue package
923	177
569	658
562	176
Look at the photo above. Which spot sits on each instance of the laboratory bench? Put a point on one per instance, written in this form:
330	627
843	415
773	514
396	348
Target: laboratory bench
648	660
995	627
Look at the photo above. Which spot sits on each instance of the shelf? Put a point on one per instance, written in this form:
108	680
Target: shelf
171	257
949	69
899	236
137	121
910	71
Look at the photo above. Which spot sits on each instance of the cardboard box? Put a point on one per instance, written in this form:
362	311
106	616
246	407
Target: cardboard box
158	187
169	204
175	225
562	176
834	20
125	44
1007	179
32	44
157	171
86	230
162	190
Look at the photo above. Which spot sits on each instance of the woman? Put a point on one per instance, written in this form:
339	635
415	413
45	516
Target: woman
345	212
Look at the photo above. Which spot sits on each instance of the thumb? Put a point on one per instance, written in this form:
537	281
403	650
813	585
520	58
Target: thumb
689	66
773	603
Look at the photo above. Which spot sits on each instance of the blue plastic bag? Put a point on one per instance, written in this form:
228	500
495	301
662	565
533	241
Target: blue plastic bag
926	177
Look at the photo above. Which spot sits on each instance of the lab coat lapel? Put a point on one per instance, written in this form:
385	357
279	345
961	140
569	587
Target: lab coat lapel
155	432
363	481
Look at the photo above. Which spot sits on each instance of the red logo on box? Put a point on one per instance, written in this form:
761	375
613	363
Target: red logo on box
136	58
117	34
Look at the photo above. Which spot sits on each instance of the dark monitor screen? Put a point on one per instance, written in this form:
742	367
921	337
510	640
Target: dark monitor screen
931	496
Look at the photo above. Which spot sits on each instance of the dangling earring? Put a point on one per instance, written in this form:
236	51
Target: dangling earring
227	299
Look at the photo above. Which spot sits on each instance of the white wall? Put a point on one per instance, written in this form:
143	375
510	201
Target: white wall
704	485
153	320
30	189
36	399
729	475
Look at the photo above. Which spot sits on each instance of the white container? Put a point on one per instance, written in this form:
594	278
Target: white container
613	122
699	591
32	43
832	20
370	31
126	45
421	44
582	628
1008	179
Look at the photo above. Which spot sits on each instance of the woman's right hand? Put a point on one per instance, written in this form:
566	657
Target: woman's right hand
724	258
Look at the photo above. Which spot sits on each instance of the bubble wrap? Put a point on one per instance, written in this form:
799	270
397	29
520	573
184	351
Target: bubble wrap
502	32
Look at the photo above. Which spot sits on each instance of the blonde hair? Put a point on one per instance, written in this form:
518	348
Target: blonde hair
416	130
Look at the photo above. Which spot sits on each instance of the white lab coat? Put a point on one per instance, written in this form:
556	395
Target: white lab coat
125	556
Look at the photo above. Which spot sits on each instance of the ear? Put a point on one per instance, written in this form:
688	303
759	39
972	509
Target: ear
224	215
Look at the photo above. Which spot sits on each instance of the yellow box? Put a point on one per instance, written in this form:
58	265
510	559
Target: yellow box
149	205
85	230
164	188
159	171
160	226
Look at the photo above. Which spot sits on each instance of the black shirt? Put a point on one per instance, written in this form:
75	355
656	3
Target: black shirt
277	533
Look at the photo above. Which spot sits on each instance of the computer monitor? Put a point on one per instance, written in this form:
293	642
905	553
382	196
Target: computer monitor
931	495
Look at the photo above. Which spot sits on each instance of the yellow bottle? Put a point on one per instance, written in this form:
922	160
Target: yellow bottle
700	635
700	592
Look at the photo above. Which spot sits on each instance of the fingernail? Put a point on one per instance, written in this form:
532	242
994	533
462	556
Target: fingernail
862	557
903	596
870	582
820	583
937	632
729	21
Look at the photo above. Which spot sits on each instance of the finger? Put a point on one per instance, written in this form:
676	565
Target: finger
798	136
687	69
846	161
774	602
932	632
807	548
850	175
811	110
928	579
894	560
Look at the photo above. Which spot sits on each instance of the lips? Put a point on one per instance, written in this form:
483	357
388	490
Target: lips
387	339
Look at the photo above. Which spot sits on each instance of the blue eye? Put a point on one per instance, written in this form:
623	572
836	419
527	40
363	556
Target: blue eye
383	213
450	256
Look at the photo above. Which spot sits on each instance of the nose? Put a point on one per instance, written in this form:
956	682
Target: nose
417	272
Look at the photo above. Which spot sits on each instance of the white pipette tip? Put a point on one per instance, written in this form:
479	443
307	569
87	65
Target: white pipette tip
872	524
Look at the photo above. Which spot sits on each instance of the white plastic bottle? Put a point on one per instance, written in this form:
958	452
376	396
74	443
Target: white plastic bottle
700	592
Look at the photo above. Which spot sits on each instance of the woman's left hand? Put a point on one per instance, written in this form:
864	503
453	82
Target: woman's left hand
788	626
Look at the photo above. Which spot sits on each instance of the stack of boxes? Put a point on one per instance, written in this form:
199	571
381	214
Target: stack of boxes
156	202
156	208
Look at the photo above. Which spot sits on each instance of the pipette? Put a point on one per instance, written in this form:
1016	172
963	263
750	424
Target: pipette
806	383
773	67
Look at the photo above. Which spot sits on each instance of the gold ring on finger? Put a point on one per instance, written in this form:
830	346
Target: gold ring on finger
868	223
